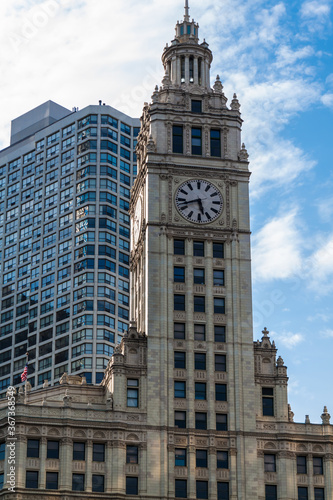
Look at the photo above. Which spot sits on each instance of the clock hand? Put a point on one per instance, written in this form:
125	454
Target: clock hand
201	206
191	201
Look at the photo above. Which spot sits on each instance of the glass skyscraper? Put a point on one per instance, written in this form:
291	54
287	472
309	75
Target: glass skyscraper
64	241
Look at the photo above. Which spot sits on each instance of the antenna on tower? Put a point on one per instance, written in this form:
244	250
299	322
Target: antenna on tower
187	15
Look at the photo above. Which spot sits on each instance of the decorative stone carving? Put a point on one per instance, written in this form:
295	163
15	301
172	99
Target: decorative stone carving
243	154
235	103
325	416
290	414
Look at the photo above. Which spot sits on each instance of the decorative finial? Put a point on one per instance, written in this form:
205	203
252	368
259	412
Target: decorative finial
290	414
280	361
265	332
187	14
218	87
235	103
307	419
325	416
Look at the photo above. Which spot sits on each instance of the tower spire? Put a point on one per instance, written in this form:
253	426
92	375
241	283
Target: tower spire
187	15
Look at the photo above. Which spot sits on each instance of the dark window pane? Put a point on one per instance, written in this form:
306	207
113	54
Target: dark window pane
98	452
33	448
302	493
198	249
215	143
222	460
180	419
218	251
219	306
180	488
202	489
31	479
319	494
53	449
131	485
177	143
199	361
199	332
220	392
219	333
180	359
301	465
79	451
199	304
78	482
270	492
201	458
196	141
52	480
221	422
218	277
318	465
179	274
269	463
199	276
180	389
97	483
179	247
220	362
196	106
179	302
201	421
132	454
179	330
222	491
180	457
200	390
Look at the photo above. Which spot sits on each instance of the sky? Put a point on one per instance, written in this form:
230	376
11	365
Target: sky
277	57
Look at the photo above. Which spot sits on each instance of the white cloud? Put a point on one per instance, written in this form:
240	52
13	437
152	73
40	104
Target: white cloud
315	15
327	99
320	267
287	339
276	249
325	209
327	333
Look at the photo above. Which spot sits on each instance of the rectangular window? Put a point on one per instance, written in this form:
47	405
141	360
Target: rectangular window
269	463
179	359
180	457
220	362
132	487
78	482
218	251
51	480
180	419
200	390
200	361
222	461
79	451
52	449
220	392
198	249
319	494
199	303
2	450
132	393
221	422
196	141
179	302
179	274
98	452
215	143
179	389
202	489
222	491
1	480
219	333
302	493
132	454
179	247
301	465
201	421
196	106
318	465
268	401
201	458
200	332
219	305
180	488
97	483
177	136
31	479
218	277
33	448
199	276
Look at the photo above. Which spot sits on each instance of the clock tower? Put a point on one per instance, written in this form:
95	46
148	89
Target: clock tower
191	280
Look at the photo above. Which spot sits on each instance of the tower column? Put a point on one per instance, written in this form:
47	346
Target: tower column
66	456
212	486
187	69
88	466
191	484
328	471
178	71
43	444
233	476
196	71
108	462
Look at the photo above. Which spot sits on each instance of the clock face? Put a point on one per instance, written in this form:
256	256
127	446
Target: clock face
137	220
199	201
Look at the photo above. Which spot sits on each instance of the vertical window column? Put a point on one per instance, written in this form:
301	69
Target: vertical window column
89	458
196	70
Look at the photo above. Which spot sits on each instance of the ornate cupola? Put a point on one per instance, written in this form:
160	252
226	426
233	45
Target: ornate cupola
185	61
